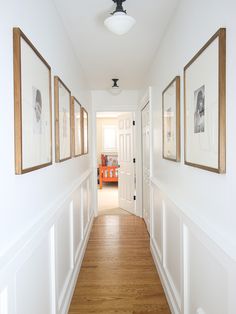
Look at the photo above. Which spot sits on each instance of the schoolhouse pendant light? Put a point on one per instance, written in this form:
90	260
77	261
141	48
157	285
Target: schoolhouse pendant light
119	22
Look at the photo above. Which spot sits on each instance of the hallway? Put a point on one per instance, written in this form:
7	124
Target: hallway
118	274
118	167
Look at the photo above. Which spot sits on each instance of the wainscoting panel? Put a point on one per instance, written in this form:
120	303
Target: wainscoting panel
33	281
206	278
4	301
197	274
157	221
64	250
38	274
172	249
85	206
77	222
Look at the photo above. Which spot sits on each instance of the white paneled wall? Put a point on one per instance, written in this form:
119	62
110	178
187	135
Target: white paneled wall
171	248
197	275
39	273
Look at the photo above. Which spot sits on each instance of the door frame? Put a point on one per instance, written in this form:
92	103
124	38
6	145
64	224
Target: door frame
137	111
142	150
147	99
94	152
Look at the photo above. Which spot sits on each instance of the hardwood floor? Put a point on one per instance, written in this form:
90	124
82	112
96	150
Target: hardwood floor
118	274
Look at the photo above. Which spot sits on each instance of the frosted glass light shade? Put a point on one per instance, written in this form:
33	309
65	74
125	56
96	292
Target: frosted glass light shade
119	23
115	91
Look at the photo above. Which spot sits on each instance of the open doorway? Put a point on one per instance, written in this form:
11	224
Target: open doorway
115	163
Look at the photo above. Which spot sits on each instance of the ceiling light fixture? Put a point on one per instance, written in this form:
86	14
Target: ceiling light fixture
119	22
115	90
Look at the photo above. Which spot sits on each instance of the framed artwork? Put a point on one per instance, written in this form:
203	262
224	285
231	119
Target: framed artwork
76	127
171	120
205	106
32	106
85	131
62	120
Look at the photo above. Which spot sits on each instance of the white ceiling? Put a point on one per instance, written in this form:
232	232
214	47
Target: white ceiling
103	114
104	55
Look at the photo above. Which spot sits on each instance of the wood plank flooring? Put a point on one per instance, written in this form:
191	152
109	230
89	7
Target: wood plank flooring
118	274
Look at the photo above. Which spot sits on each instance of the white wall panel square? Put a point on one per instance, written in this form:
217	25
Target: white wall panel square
89	198
157	219
85	205
64	258
77	220
207	279
172	249
4	301
33	282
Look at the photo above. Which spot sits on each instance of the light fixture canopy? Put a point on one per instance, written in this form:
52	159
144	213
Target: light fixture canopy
119	22
115	89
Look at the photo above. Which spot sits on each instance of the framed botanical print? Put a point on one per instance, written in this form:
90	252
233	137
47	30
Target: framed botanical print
171	120
32	106
76	127
205	106
85	131
62	120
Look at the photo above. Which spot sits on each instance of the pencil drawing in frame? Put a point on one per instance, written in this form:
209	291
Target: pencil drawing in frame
63	134
171	121
85	130
76	127
32	106
205	106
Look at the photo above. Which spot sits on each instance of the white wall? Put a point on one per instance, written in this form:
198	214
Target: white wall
40	212
206	198
24	198
101	122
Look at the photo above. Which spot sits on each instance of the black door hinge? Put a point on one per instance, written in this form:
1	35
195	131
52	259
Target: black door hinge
133	122
134	197
134	161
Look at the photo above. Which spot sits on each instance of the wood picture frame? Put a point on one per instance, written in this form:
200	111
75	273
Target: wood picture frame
205	106
32	106
171	121
77	129
63	121
85	142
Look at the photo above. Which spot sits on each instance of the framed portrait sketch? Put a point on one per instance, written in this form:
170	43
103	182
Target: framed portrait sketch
205	106
85	131
32	106
171	120
76	127
62	97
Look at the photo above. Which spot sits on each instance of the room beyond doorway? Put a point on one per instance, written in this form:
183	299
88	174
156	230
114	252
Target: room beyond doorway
108	201
115	168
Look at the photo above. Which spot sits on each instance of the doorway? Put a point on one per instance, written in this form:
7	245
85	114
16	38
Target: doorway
115	163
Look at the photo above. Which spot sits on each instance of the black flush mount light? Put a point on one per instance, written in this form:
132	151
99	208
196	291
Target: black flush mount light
119	6
115	85
115	89
119	22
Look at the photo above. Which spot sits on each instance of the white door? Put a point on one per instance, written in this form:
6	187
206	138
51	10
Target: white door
146	164
126	163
